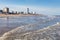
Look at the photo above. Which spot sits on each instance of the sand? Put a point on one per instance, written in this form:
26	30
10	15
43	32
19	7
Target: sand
4	15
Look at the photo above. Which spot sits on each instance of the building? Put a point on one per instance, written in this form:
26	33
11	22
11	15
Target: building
6	10
1	11
22	12
27	10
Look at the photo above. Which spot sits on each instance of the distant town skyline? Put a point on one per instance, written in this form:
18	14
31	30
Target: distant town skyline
6	10
49	7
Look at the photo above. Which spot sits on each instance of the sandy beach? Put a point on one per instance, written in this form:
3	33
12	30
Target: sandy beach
4	15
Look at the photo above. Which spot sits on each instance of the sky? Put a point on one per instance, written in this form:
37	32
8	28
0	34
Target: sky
48	7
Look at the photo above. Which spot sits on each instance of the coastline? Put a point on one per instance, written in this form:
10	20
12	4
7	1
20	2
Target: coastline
21	15
4	15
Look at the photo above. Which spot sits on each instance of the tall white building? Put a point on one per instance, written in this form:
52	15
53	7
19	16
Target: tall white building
27	10
6	10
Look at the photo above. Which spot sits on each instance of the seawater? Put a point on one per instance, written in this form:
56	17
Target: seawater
18	21
36	22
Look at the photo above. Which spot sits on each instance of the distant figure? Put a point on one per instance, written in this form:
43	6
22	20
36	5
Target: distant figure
7	21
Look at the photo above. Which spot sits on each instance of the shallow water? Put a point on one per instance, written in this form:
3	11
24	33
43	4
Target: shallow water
9	23
18	21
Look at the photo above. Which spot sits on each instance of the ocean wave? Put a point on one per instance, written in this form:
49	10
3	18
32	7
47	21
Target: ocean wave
48	33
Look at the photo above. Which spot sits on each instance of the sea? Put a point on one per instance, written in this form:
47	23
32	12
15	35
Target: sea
10	22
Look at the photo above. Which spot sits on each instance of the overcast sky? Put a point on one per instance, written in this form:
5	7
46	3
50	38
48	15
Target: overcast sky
49	7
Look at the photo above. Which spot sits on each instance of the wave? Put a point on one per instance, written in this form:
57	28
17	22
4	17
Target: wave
20	33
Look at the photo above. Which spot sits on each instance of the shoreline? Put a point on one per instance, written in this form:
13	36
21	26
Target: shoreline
20	15
5	15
